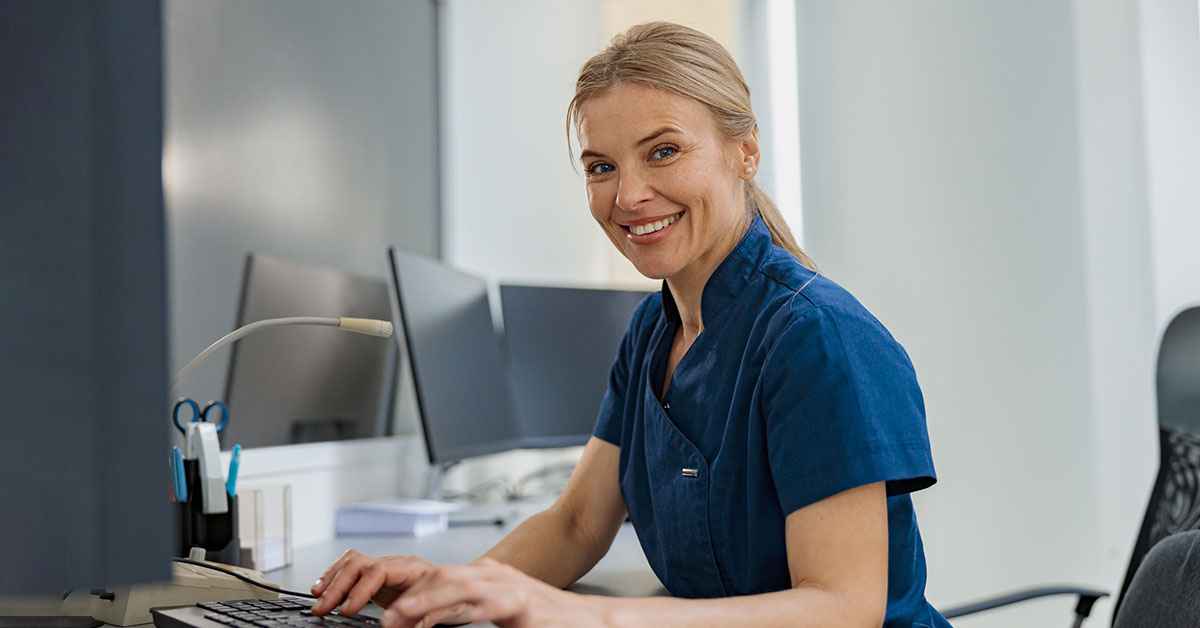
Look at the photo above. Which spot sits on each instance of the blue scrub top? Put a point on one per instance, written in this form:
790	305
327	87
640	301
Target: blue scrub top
792	393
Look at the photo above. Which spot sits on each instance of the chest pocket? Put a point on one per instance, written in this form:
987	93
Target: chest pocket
669	507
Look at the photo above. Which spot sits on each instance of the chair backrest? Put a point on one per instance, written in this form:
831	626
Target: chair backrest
1165	592
1175	501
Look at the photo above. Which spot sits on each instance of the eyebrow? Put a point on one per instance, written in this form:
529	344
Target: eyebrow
653	136
649	138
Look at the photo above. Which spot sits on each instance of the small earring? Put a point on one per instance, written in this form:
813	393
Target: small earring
749	169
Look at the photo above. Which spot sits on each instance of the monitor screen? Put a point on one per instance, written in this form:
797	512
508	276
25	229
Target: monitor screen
560	344
462	392
301	384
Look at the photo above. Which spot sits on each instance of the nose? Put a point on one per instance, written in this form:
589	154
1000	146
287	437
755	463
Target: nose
633	190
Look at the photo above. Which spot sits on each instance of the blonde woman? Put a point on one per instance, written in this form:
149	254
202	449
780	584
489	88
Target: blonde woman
761	429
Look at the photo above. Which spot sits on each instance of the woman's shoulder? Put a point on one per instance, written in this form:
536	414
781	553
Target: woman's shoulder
799	291
806	305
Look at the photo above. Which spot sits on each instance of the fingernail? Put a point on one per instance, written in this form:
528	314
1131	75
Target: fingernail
408	603
420	624
318	584
390	618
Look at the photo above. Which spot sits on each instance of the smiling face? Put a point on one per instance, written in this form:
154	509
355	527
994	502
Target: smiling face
662	181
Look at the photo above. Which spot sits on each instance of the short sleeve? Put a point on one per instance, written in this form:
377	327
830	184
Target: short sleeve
842	409
612	406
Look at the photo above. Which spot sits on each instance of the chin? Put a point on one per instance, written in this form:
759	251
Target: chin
654	270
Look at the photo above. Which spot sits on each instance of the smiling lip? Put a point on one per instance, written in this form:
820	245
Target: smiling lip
651	230
648	227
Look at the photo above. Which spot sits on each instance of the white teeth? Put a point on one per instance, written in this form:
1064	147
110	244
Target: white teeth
653	226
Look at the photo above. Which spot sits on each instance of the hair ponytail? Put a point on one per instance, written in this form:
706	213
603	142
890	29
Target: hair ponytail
757	202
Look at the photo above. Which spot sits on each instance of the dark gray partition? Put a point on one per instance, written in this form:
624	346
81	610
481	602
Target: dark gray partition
83	330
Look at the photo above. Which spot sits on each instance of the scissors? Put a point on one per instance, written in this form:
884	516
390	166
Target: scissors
198	414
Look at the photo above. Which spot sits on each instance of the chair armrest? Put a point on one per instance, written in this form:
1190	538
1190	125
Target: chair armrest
1087	597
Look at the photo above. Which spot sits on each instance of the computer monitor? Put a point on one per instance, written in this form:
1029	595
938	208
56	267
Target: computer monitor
461	389
83	299
301	384
560	344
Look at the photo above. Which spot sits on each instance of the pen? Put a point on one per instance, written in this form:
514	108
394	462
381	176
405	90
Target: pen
181	492
234	461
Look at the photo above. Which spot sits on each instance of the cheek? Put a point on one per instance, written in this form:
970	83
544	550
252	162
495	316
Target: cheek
600	202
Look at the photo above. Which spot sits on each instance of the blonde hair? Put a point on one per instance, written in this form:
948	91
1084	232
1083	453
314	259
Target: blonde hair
691	64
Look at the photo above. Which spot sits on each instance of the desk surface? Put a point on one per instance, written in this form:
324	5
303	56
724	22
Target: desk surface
622	572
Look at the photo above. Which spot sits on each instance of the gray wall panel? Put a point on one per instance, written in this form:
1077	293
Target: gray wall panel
305	130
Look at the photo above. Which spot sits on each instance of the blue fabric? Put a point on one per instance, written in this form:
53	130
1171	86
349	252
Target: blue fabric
787	397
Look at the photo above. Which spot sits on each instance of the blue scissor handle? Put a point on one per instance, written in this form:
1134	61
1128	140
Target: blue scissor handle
224	413
195	413
199	415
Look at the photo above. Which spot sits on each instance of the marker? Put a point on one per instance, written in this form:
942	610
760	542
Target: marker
181	492
234	461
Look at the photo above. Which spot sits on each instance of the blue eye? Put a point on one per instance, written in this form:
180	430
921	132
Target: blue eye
663	152
599	168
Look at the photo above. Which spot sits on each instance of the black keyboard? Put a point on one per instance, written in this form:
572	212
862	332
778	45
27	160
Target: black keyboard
278	613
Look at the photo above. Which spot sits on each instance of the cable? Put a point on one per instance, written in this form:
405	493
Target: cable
477	492
196	563
546	474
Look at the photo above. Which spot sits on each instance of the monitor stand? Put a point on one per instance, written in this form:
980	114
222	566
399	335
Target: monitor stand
435	478
492	513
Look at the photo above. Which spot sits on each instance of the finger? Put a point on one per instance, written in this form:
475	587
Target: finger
319	586
337	586
370	579
450	586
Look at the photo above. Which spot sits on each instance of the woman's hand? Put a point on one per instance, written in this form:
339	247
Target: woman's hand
487	590
355	579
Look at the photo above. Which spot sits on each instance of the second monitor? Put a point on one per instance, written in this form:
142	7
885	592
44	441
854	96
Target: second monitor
561	343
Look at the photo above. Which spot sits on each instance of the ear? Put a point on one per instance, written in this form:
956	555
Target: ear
749	156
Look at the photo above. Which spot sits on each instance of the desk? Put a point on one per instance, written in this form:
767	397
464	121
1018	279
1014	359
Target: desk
622	572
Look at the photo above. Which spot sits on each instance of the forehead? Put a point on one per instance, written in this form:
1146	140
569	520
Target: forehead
621	116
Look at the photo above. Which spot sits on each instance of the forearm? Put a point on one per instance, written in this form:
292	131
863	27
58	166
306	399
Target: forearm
551	546
800	607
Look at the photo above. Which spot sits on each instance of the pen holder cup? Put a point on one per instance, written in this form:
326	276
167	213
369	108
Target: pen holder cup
217	534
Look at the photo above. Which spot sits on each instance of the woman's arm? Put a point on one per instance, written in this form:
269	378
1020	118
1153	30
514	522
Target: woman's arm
556	546
562	543
837	556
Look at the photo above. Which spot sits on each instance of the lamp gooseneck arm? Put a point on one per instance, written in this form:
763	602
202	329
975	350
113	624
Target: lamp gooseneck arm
367	326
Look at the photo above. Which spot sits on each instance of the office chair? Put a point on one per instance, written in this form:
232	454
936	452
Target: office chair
1175	501
1165	591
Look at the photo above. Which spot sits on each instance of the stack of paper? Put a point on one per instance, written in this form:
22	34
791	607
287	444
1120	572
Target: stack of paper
414	517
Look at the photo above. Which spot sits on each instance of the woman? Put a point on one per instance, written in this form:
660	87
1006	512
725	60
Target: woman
761	429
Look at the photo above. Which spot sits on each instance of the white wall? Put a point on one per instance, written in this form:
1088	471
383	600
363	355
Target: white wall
1171	75
1009	186
513	206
